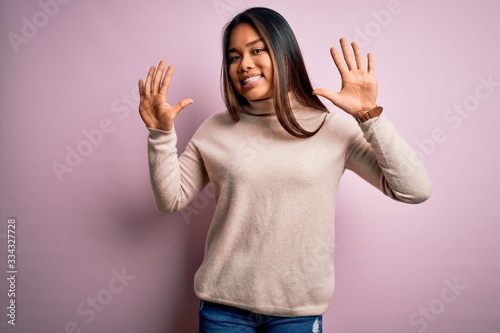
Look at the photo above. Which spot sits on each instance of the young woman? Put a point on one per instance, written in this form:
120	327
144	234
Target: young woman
274	160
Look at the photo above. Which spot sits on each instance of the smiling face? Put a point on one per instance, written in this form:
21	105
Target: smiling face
250	64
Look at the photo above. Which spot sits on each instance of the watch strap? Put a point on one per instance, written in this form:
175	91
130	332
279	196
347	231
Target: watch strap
370	114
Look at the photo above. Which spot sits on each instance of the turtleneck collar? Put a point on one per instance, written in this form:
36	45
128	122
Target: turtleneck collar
265	107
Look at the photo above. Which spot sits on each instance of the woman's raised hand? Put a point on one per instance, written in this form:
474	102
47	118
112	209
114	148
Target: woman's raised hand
359	85
154	109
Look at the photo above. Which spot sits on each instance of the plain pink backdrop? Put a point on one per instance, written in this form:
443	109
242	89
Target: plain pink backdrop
68	86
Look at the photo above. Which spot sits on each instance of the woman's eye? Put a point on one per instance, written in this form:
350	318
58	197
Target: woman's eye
233	58
258	50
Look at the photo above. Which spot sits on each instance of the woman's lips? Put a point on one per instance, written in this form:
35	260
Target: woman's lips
251	81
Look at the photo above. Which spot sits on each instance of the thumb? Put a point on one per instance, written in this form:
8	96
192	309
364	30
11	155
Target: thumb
330	95
182	104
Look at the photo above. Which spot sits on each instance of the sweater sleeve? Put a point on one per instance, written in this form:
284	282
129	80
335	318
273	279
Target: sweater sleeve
383	158
176	180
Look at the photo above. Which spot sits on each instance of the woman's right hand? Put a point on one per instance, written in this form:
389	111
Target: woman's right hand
153	107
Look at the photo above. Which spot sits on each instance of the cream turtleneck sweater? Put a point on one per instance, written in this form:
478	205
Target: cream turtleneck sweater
270	246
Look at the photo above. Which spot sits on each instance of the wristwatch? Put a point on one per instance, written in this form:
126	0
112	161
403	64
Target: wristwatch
370	114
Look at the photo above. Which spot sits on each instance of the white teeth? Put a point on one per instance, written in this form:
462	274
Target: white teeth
252	79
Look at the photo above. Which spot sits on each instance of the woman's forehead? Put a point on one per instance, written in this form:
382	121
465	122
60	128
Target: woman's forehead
242	35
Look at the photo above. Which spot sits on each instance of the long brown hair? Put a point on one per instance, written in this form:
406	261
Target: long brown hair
289	70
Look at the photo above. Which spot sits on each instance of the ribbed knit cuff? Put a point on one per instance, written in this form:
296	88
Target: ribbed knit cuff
365	126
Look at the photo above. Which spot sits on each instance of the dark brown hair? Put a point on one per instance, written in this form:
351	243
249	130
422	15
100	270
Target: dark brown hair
289	70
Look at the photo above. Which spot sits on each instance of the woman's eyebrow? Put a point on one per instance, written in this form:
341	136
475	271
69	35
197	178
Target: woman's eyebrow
246	45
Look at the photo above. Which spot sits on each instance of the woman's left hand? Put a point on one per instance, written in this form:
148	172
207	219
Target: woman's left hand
359	85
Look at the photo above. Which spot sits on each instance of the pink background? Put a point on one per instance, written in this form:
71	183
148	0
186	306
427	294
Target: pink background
69	84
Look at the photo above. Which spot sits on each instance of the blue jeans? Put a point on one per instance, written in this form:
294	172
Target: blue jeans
217	318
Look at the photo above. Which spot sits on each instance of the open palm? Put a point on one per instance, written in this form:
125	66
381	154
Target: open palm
154	108
359	89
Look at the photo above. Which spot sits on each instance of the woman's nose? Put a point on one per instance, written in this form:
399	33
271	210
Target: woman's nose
246	63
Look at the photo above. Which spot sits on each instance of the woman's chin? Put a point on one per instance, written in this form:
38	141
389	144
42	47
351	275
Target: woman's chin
257	96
